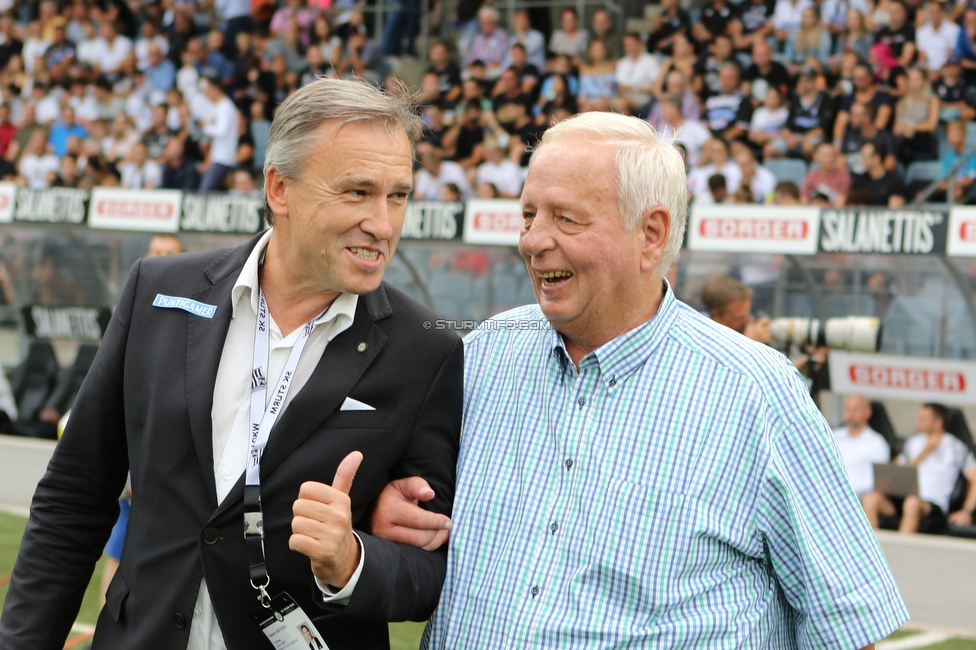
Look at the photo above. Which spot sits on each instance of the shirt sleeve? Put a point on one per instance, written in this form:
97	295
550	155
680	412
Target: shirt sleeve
822	550
343	596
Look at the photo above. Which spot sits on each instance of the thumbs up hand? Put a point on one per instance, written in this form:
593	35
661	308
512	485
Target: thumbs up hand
322	526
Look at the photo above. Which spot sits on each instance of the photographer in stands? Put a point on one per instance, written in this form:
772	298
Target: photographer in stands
729	303
860	446
939	457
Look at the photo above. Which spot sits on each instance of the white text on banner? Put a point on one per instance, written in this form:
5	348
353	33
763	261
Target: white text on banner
493	221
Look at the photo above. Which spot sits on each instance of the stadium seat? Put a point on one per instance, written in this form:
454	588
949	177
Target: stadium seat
32	381
882	424
923	170
956	425
970	135
788	169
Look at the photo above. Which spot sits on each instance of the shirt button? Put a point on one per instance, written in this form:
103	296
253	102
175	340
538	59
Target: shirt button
179	621
210	536
569	463
197	612
613	381
554	527
227	476
534	591
581	401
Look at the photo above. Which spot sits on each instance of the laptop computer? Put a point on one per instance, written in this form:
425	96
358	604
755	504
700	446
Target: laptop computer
896	480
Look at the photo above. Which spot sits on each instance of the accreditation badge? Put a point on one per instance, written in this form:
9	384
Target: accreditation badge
287	626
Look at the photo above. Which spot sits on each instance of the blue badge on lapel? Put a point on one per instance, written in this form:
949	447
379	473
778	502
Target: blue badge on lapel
192	306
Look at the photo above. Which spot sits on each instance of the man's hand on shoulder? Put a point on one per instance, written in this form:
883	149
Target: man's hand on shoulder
398	516
322	526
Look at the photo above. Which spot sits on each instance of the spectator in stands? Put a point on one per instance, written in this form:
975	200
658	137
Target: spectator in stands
940	458
555	93
916	119
965	174
160	71
463	141
860	446
753	22
729	114
954	103
597	80
715	161
221	125
810	116
141	172
436	172
603	30
729	303
861	129
38	166
966	45
718	191
898	33
764	73
768	121
401	28
515	119
178	172
10	43
786	193
787	17
706	79
69	174
854	36
490	44
450	192
757	178
683	58
811	40
7	130
26	128
675	126
879	185
34	47
936	39
498	170
635	74
110	50
260	130
866	91
64	129
60	56
448	74
508	88
570	39
242	184
673	20
46	104
532	41
158	135
827	178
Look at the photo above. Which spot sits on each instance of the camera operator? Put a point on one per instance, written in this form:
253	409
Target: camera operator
729	303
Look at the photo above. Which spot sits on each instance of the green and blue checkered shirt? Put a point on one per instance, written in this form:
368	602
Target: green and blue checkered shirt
680	490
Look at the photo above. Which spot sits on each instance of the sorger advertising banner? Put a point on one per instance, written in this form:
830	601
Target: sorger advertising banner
915	379
139	210
754	229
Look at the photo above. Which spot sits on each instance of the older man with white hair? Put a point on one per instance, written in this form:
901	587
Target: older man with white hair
633	475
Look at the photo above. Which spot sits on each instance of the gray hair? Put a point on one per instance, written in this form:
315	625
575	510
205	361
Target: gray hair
650	170
352	100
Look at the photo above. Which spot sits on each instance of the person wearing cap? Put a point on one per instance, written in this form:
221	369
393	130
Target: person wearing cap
936	39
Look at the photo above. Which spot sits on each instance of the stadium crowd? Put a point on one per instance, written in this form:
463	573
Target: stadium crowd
178	94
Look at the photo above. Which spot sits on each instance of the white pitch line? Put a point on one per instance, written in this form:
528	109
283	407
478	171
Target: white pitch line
913	641
81	628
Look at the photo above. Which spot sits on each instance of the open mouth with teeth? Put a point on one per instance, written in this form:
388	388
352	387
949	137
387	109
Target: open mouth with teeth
366	254
553	278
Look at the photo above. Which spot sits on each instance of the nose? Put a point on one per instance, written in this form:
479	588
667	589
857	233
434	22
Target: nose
379	223
536	236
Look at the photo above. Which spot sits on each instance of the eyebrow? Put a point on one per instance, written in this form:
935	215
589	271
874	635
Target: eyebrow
368	184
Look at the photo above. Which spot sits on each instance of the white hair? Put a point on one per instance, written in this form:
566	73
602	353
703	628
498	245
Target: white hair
650	170
489	12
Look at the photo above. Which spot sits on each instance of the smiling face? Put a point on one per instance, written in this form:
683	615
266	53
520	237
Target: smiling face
338	224
586	267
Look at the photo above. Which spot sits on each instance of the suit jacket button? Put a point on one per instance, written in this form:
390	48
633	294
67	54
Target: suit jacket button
179	621
210	536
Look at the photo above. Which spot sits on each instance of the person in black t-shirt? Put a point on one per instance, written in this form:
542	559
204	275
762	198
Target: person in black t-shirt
862	129
753	21
898	33
432	137
464	139
877	185
448	73
764	73
705	82
951	91
715	19
673	20
810	119
865	92
509	89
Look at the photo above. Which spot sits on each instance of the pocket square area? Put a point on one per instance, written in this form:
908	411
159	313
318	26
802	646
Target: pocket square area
355	405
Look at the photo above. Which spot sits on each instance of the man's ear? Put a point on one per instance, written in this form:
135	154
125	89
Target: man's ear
276	192
655	226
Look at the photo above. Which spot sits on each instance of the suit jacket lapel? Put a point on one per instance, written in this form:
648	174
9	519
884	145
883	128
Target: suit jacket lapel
204	345
339	369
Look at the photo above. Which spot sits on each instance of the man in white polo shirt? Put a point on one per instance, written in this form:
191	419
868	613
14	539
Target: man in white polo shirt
221	125
860	446
940	457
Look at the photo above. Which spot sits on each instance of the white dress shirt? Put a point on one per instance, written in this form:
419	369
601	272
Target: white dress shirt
639	73
938	472
223	131
231	413
938	44
859	454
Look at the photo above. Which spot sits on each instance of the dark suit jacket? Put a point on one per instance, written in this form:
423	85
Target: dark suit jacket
146	407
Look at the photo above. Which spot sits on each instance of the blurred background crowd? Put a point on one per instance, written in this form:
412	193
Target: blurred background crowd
839	102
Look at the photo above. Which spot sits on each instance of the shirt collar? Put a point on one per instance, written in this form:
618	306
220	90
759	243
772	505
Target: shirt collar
621	357
245	291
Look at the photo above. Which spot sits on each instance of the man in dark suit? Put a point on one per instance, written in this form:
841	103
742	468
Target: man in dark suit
170	399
